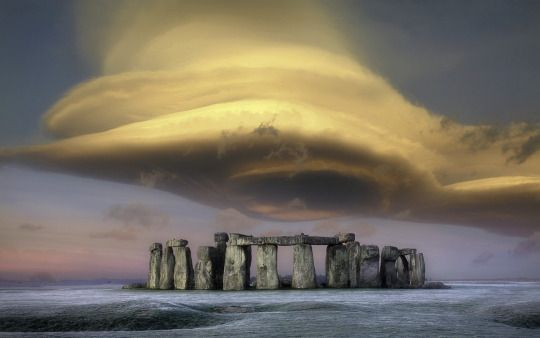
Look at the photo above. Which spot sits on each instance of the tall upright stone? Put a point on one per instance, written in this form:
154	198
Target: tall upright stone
403	271
220	239
337	266
155	266
303	276
418	270
205	275
354	253
388	266
369	267
166	277
266	261
183	267
236	272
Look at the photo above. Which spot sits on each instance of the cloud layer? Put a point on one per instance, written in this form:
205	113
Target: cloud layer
266	112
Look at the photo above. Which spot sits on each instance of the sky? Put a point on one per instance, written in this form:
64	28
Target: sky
409	123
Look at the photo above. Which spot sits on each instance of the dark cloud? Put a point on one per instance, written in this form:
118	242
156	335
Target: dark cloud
483	258
527	149
30	227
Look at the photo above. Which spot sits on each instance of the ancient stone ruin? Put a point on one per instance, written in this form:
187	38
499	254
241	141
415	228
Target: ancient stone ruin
227	265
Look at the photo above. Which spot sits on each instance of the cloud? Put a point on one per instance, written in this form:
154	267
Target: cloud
134	219
30	227
277	121
230	220
483	258
124	234
528	247
137	215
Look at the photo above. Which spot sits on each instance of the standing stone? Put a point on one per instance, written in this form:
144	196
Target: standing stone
237	264
155	266
354	253
221	239
403	271
303	276
337	266
388	266
183	267
418	270
267	275
369	267
345	237
166	278
205	268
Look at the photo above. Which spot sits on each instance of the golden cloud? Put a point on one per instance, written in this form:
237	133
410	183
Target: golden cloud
267	113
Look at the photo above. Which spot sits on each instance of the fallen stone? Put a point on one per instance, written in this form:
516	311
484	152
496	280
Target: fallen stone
183	269
369	267
303	276
205	268
134	286
435	285
155	266
266	261
166	278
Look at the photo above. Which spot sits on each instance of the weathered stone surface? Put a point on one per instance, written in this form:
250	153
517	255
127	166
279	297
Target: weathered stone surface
389	256
407	251
303	276
345	237
183	268
417	270
354	253
155	266
221	239
403	271
237	264
266	261
239	239
369	267
166	278
205	268
337	266
177	242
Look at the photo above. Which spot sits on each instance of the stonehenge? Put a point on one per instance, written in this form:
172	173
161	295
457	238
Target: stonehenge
226	266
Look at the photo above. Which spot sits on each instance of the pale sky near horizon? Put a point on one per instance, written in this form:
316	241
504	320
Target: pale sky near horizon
428	62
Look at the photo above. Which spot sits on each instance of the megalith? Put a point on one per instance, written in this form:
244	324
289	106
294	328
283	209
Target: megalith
236	272
205	269
183	267
266	262
303	276
354	257
166	278
337	266
389	256
369	267
155	266
220	238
